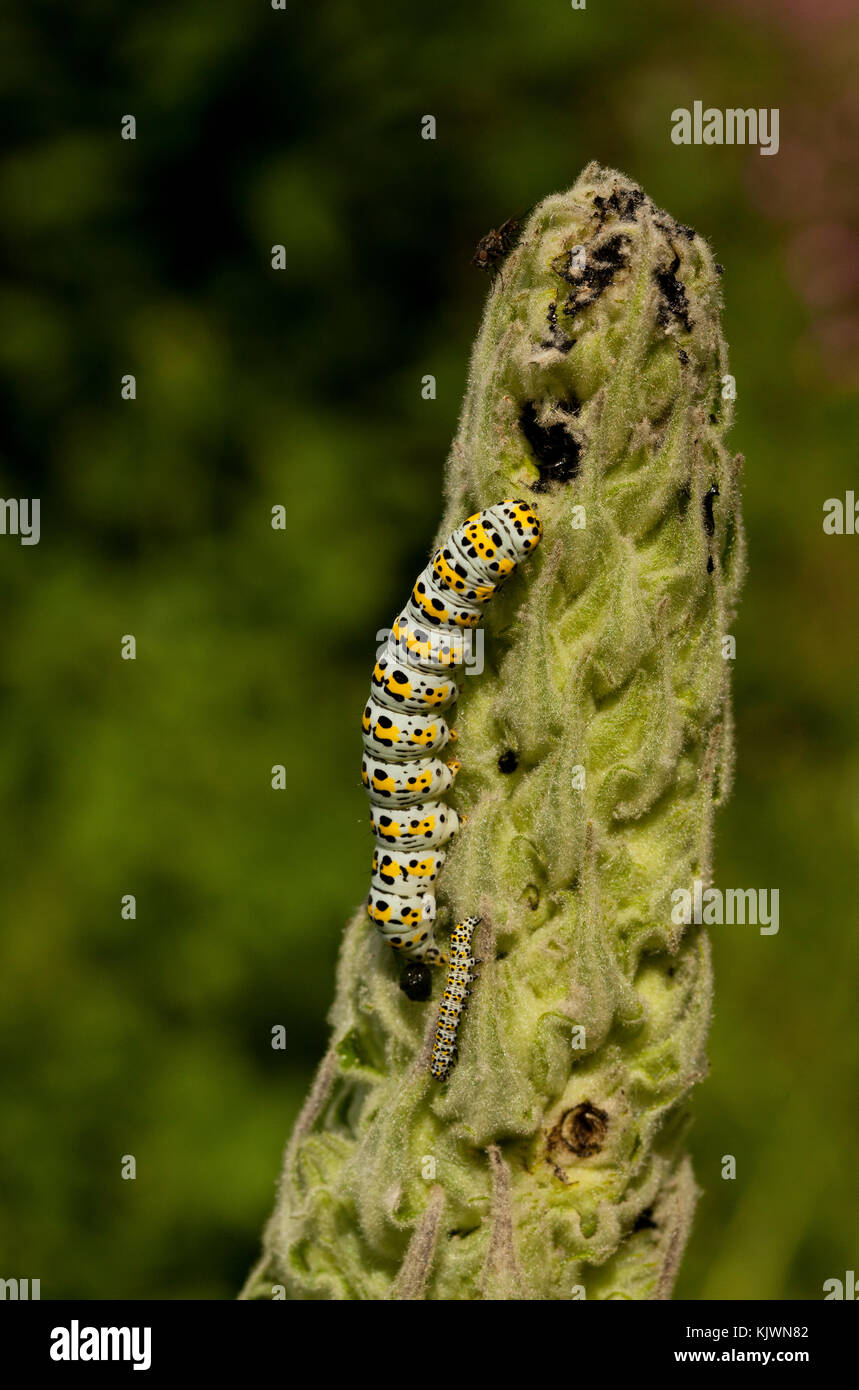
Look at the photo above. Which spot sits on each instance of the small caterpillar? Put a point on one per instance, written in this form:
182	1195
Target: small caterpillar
456	993
403	729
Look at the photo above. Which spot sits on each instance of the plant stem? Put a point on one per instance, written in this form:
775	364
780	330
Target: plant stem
551	1165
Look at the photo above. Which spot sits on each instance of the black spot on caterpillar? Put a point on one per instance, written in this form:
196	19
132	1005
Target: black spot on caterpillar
402	725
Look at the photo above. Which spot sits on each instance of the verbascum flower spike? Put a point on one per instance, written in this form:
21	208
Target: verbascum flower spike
595	745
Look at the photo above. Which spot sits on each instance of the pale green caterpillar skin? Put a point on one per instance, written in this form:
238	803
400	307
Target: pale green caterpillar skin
402	725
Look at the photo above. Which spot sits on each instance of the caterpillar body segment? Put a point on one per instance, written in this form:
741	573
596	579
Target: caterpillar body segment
404	784
431	603
401	737
395	871
430	649
400	687
425	825
406	924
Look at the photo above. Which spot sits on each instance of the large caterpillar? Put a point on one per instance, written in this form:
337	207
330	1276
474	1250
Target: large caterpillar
456	993
403	729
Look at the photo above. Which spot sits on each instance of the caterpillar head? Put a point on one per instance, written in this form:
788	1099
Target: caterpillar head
521	523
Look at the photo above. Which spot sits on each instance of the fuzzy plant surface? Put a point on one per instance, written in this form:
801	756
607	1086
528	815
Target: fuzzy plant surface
596	745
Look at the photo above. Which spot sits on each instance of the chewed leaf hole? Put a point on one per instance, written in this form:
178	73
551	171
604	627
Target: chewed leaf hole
557	453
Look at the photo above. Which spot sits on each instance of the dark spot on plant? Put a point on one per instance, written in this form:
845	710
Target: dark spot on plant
416	981
707	509
508	762
556	451
674	304
581	1130
624	201
556	339
645	1221
587	283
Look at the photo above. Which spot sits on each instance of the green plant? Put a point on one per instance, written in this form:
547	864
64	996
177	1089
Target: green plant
595	746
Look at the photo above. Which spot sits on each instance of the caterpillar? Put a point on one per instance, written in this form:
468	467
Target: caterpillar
456	993
404	732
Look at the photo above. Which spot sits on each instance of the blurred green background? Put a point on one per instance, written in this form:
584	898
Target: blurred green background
302	387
